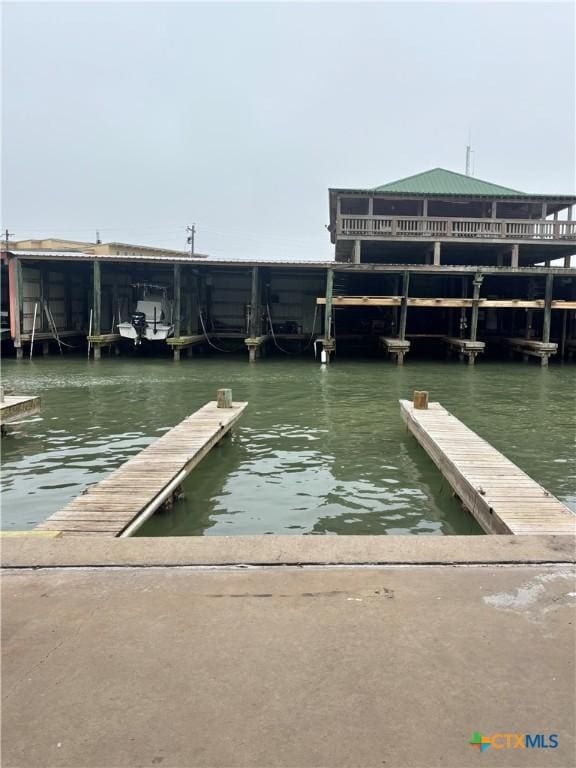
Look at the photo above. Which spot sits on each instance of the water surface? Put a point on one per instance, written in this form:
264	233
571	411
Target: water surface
318	450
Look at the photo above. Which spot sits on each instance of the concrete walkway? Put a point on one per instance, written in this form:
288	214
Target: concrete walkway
168	664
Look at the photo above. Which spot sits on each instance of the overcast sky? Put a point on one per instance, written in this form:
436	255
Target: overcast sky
139	118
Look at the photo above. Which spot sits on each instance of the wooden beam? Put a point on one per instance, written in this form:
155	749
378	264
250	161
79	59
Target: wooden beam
454	303
437	247
547	308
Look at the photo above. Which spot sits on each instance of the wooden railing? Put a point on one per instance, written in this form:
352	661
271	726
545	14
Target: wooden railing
415	226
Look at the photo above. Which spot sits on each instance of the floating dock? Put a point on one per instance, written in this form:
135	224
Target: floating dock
122	502
502	498
16	407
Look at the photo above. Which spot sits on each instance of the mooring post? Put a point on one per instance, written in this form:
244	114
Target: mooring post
224	398
475	301
404	305
547	308
16	294
420	400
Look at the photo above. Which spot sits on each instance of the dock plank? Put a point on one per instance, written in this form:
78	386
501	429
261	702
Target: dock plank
110	506
501	497
15	407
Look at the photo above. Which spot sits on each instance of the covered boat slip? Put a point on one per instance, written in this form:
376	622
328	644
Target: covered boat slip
257	308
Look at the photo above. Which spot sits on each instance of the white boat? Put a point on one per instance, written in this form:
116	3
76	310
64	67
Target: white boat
150	321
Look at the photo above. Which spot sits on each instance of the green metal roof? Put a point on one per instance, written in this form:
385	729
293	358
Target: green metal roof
439	181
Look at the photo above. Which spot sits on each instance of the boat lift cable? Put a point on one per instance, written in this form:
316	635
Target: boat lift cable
286	351
54	329
210	342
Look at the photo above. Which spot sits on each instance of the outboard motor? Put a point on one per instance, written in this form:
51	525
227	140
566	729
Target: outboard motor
138	320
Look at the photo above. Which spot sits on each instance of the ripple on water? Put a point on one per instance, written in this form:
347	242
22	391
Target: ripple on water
317	451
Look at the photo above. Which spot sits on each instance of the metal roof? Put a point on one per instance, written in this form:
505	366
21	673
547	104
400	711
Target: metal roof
439	181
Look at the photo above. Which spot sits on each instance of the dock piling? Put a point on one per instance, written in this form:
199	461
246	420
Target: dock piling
224	398
420	400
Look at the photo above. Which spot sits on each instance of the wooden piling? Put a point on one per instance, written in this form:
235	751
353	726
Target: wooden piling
547	307
420	400
96	300
475	300
254	325
404	305
224	398
177	301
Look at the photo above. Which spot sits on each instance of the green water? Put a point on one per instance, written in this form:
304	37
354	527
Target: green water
317	450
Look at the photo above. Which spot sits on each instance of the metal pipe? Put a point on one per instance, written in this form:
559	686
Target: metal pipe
89	333
33	330
149	510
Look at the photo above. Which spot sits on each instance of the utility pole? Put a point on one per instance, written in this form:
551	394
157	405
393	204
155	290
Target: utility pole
98	241
469	155
190	239
7	236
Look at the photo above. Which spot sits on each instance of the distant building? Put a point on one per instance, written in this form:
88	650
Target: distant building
99	249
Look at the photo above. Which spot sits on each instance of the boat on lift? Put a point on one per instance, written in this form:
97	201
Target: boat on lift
152	318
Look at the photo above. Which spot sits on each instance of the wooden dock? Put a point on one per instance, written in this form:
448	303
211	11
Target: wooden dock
501	497
397	348
532	348
120	503
465	348
16	407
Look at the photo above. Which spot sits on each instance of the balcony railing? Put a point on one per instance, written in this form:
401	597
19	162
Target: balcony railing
432	228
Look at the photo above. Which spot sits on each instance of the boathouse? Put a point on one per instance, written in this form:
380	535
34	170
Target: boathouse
435	263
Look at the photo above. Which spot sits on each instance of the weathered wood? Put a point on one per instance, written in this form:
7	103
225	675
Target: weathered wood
547	308
14	407
478	278
530	347
110	507
224	398
446	302
514	505
398	348
96	298
420	399
404	305
437	246
328	303
177	298
186	341
254	326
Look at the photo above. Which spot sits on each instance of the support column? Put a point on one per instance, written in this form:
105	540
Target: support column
437	246
568	218
514	256
328	341
547	308
177	299
16	293
356	252
96	301
189	305
404	305
478	278
254	329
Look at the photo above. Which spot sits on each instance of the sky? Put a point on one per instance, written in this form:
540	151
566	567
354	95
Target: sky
139	118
